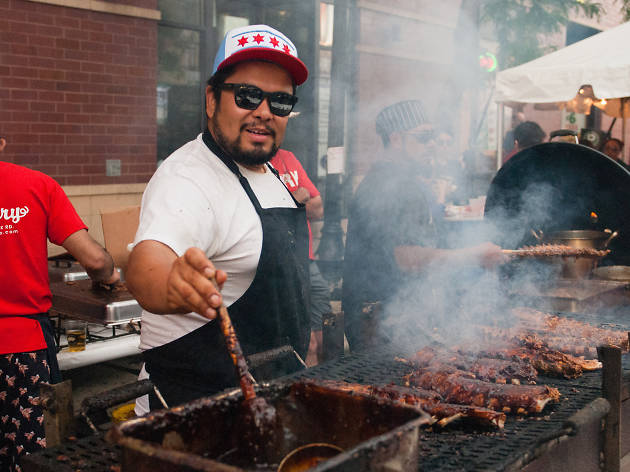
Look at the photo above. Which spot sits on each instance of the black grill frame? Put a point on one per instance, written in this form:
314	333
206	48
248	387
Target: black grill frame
460	449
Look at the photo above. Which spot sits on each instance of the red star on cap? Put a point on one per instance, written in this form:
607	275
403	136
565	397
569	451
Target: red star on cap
286	49
242	41
274	41
258	38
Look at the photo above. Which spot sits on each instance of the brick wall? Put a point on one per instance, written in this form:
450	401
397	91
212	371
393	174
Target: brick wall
78	87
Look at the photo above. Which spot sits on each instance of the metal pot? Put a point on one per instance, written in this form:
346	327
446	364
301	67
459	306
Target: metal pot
583	238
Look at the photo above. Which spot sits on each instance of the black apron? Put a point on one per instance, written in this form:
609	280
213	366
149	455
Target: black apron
51	346
274	311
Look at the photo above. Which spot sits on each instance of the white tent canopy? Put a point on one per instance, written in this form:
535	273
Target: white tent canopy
601	61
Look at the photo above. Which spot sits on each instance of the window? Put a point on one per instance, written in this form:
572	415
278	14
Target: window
179	81
182	11
188	36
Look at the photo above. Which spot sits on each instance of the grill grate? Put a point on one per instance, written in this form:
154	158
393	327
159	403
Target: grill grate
456	449
459	450
91	454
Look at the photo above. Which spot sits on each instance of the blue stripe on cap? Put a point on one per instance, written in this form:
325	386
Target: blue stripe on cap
220	57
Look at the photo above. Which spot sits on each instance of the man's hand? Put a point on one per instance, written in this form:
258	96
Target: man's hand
417	258
114	279
163	283
96	261
490	255
193	283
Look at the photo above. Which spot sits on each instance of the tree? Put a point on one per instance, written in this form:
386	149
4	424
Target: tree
520	24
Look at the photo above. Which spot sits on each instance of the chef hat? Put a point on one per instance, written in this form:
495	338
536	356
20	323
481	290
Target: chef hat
400	116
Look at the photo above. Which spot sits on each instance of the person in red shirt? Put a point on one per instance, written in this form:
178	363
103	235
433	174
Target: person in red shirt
304	191
33	209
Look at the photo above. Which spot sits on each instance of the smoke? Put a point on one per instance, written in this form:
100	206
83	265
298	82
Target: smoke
445	302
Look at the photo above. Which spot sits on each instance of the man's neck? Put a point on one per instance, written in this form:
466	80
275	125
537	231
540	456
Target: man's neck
259	168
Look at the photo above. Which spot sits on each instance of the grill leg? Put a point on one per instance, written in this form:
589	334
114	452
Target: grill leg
58	412
332	335
611	390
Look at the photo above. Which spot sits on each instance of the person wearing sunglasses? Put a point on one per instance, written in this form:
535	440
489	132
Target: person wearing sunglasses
393	241
218	226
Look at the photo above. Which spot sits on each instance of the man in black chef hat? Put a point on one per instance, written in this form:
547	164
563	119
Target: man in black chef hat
392	234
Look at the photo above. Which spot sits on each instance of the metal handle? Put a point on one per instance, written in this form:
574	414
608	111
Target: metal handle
564	132
612	236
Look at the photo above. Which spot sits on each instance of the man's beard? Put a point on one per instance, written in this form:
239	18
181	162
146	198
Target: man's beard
255	157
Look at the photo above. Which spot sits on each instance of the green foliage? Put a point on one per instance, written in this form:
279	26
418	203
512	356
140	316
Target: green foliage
519	24
625	8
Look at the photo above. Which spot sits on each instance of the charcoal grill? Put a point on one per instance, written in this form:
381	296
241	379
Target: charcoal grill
555	187
535	443
206	434
455	450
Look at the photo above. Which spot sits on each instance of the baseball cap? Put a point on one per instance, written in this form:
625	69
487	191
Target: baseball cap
260	42
401	116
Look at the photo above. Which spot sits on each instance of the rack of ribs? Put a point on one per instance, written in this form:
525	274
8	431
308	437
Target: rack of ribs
431	402
576	332
573	353
514	370
454	387
546	361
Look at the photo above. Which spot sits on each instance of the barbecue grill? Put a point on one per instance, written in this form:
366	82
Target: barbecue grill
570	181
540	442
555	187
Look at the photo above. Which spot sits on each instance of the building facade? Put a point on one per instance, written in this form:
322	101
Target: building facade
96	94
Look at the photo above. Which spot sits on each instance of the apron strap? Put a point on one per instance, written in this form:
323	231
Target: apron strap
229	162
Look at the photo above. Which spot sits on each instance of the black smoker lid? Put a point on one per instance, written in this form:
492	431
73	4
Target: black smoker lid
555	187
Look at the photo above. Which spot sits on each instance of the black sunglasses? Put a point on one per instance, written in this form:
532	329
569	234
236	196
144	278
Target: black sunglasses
250	97
423	137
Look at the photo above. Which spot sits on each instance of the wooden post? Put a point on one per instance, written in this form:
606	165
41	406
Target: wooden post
611	391
58	411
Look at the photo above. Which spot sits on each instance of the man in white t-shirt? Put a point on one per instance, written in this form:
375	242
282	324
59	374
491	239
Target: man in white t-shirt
216	212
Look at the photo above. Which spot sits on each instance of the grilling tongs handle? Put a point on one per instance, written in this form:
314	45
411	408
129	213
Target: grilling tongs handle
236	353
234	349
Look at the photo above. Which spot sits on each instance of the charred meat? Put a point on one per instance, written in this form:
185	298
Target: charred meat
430	401
459	389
